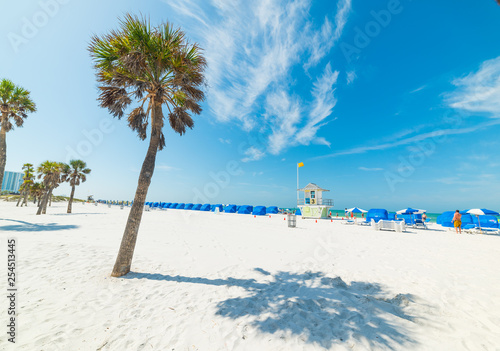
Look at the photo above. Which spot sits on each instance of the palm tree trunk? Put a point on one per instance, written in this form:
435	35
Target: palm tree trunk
71	198
127	247
39	200
3	148
20	197
42	200
25	200
49	197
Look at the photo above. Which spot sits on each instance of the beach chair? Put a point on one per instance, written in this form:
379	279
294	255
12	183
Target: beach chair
349	221
419	223
484	224
383	224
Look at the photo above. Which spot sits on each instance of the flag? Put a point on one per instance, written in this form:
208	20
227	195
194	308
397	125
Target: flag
300	164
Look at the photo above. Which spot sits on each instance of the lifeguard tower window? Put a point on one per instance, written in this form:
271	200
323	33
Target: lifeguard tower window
313	194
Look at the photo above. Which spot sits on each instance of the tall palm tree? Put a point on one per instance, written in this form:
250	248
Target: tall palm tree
155	67
74	173
51	173
27	184
15	104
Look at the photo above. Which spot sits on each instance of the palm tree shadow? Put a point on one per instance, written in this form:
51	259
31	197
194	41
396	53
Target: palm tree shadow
319	310
34	227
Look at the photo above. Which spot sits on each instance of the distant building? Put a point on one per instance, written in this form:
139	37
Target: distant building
12	181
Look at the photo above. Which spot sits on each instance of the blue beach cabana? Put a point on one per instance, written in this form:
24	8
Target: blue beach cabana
245	209
272	209
259	211
188	206
205	207
230	209
219	206
180	206
174	205
196	207
377	214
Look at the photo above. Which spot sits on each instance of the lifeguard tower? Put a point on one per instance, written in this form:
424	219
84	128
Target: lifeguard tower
313	205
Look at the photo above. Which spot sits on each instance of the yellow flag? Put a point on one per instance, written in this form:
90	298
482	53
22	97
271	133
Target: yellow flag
301	164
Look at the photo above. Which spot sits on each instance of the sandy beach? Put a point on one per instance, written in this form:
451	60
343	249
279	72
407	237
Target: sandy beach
205	281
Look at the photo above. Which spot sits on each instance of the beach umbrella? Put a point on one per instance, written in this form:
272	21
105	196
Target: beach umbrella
410	211
481	212
356	210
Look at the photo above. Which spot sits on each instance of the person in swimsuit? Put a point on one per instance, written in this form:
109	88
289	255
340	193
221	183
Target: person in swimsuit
457	221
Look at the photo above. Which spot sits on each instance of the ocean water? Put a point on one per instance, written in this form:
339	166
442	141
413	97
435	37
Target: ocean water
430	216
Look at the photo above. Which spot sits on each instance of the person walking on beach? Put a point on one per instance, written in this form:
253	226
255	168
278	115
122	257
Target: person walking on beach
457	221
424	217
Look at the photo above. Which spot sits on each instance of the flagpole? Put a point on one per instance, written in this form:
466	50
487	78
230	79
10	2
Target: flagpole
297	184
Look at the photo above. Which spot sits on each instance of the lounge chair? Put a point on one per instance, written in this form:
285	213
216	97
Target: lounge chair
419	223
383	224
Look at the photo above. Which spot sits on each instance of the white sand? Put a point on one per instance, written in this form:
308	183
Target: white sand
204	281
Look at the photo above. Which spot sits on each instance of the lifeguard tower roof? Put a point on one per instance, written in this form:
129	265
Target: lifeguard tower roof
312	186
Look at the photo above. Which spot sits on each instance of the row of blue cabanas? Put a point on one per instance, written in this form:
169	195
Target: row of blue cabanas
244	209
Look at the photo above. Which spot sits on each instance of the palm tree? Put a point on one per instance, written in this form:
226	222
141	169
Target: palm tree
155	67
37	190
74	173
27	184
15	104
51	173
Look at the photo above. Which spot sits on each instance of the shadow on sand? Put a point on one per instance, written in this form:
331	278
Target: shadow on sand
319	310
33	227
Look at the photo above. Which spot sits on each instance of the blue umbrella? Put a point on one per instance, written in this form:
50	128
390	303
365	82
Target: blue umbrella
356	210
409	210
480	212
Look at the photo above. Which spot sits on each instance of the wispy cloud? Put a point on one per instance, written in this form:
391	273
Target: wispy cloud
351	77
412	139
366	169
252	154
165	167
418	89
251	50
225	141
325	39
479	91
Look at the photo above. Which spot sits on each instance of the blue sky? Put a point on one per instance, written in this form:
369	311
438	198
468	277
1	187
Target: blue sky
388	103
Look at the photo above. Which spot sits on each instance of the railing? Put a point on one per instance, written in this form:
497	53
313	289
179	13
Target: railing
322	202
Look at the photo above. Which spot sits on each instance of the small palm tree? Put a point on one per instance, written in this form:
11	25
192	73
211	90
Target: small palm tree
51	173
74	173
156	67
27	184
15	104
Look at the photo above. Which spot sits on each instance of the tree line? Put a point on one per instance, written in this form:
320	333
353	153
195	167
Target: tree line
51	175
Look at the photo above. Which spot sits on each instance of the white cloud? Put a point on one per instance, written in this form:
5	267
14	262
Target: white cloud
418	89
252	154
479	91
225	141
291	125
165	167
350	77
412	139
251	48
325	39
